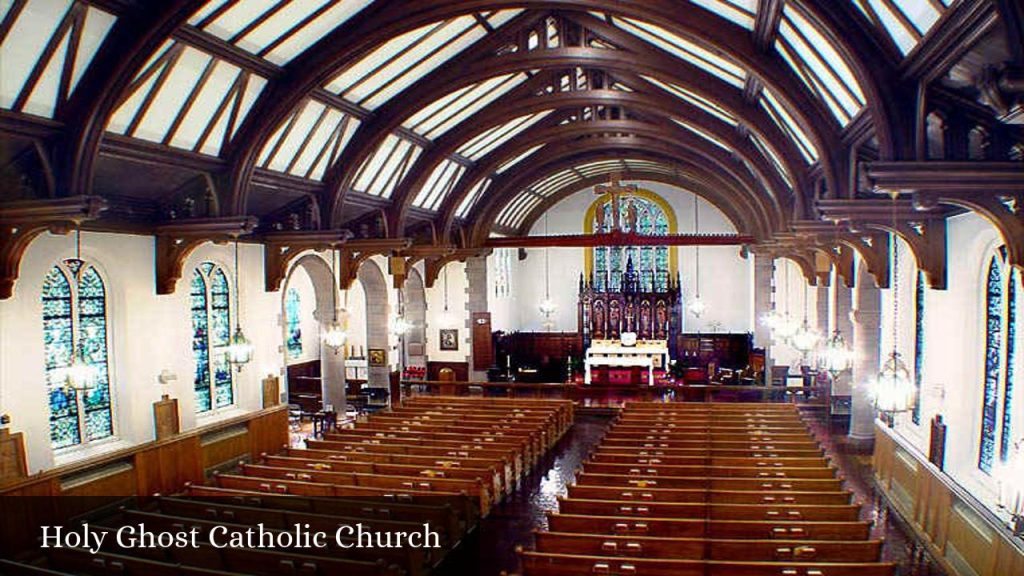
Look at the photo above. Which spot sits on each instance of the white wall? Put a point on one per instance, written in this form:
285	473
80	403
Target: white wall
148	334
953	372
726	277
793	296
457	315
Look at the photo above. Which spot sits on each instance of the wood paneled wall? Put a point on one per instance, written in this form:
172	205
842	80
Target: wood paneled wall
159	467
967	539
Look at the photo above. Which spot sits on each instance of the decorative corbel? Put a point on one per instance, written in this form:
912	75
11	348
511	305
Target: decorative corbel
22	221
176	240
433	265
873	246
924	233
1002	209
283	247
354	252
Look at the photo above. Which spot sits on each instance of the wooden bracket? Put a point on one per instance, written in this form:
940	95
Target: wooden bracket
433	265
872	245
176	240
924	232
1002	208
22	221
354	252
283	247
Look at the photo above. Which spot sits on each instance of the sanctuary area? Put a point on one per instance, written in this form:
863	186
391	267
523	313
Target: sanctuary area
520	288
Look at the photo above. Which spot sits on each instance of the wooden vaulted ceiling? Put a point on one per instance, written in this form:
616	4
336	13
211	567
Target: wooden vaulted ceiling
472	114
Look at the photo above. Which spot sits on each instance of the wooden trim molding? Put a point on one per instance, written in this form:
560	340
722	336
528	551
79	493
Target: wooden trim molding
175	241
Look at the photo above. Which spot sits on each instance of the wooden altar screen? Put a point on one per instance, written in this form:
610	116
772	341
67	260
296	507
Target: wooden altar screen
605	315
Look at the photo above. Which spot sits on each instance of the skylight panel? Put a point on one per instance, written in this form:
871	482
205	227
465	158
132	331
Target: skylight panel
906	21
510	163
403	60
554	182
788	125
524	210
819	64
439	184
187	99
276	30
443	114
45	51
703	134
694	99
773	158
741	12
598	168
484	143
685	50
307	136
478	190
381	172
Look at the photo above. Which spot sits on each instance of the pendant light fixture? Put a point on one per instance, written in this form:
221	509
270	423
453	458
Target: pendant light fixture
447	321
893	390
697	306
547	306
785	328
335	336
805	338
835	356
80	375
239	351
772	318
399	325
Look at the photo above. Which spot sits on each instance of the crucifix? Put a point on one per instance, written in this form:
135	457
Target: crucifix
614	190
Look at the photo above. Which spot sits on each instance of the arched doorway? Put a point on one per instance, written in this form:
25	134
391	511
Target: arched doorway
313	270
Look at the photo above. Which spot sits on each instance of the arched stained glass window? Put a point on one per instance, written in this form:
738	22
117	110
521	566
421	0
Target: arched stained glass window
75	320
211	334
293	316
651	263
993	352
919	293
1006	438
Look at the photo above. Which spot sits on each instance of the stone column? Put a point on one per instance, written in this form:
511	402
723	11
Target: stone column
866	327
332	368
821	308
476	301
763	265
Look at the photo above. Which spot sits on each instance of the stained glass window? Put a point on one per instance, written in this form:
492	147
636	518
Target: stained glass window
292	311
650	263
211	334
1002	285
1006	438
919	292
993	350
75	321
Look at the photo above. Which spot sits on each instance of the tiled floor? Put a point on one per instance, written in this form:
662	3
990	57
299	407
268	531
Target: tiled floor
491	549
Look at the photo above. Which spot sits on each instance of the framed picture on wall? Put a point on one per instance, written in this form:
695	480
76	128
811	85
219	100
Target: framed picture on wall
449	339
377	357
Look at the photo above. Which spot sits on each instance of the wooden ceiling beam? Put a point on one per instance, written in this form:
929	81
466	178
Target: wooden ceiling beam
969	176
176	240
617	238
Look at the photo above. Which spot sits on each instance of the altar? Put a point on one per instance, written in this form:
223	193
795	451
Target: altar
626	353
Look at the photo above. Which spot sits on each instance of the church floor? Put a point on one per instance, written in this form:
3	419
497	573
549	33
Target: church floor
491	548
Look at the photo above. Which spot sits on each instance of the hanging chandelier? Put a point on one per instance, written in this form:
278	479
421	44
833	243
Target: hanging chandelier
398	325
836	356
239	350
547	306
335	336
447	320
893	388
805	338
697	305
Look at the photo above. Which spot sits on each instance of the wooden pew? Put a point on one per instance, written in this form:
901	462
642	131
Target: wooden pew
496	466
712	483
714	511
515	448
759	452
435	471
766	496
713	471
702	528
706	549
475	488
12	568
633	459
544	564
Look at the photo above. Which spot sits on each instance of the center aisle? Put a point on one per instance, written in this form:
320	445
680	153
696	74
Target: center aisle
491	548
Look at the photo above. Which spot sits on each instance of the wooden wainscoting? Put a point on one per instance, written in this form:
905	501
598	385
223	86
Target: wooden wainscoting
965	537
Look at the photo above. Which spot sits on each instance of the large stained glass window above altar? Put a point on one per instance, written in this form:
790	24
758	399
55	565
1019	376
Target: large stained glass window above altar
640	212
